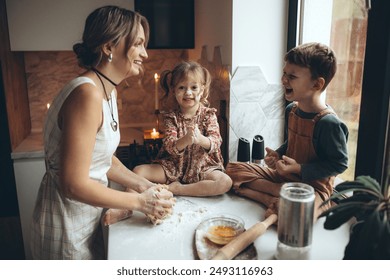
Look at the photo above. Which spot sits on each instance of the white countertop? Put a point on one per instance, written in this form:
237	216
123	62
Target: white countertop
137	239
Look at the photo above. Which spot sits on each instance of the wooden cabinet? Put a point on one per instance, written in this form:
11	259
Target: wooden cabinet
46	25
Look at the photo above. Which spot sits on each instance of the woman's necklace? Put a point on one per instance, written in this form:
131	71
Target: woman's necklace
114	123
104	76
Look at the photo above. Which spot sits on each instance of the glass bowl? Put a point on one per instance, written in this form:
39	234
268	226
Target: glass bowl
222	229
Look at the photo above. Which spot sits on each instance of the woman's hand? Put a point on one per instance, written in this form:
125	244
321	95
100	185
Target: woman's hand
141	187
271	158
156	201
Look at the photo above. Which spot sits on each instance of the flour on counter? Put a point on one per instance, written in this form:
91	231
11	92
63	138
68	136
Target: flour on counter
186	217
186	211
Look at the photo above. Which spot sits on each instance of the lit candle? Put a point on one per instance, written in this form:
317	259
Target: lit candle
48	106
154	134
155	91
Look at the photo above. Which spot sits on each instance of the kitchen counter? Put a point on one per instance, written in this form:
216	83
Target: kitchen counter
31	147
29	168
136	238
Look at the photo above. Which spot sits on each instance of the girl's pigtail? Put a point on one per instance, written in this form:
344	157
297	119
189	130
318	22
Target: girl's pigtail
164	81
207	83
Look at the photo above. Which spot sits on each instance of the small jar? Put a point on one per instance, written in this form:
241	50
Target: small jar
295	221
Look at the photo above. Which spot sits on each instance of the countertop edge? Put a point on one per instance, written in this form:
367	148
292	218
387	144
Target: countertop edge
31	147
27	155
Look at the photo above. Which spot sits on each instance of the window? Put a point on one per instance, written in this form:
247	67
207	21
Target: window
342	25
359	32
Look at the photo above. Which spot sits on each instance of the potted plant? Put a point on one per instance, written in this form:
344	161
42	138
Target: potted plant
369	204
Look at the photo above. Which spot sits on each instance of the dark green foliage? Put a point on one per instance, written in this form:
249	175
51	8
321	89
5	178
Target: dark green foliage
364	200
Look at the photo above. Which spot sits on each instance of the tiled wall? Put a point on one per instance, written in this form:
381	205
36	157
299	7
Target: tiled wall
256	107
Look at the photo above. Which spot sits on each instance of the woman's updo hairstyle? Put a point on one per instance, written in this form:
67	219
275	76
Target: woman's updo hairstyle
108	24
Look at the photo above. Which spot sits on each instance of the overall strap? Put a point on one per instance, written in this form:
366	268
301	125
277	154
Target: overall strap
294	107
323	113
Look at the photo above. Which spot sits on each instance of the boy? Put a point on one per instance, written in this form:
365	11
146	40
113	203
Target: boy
316	148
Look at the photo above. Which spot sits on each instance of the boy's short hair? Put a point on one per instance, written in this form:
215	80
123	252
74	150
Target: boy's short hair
319	58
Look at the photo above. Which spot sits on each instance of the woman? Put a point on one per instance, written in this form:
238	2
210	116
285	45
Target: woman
81	135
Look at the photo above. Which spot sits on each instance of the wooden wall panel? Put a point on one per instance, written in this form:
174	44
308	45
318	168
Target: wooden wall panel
15	85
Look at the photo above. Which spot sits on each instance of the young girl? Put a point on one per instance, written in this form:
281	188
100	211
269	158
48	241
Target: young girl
190	160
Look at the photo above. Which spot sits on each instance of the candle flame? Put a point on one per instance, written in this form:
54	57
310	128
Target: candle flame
154	134
48	106
156	76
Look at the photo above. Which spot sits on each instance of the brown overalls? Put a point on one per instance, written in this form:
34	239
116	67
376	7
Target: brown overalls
300	147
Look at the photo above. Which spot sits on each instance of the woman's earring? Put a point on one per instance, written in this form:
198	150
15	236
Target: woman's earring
110	57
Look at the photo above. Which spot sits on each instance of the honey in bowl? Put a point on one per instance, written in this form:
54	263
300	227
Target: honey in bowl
222	229
221	234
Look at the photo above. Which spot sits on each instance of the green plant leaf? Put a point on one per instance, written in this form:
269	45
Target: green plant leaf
362	197
339	214
369	204
340	197
346	189
369	182
363	183
349	184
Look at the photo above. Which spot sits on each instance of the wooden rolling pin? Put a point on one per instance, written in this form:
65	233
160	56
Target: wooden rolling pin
238	244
